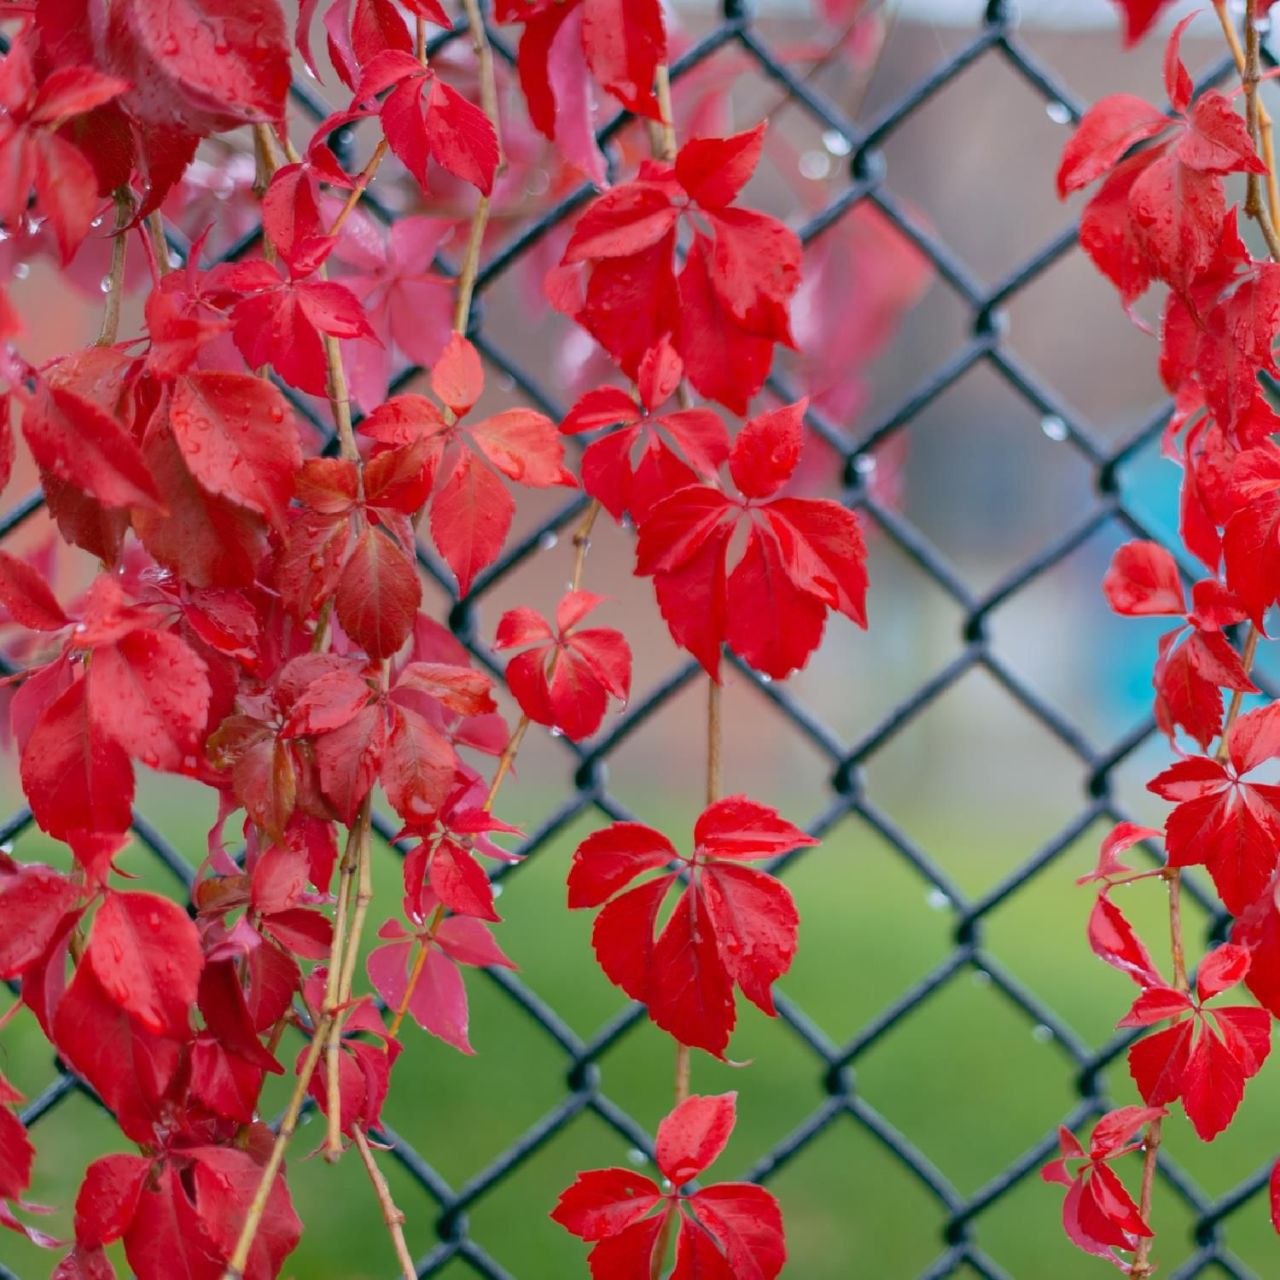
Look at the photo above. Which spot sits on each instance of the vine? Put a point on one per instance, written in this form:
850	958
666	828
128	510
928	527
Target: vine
253	621
1162	215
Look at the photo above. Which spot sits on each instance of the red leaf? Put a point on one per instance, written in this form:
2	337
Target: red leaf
1117	1129
281	323
378	595
457	378
1177	214
807	557
714	170
692	1137
1231	827
1217	139
767	451
459	688
470	517
1143	579
755	921
622	936
1155	1004
129	1067
327	703
1112	939
1221	968
75	777
203	64
565	680
418	766
605	1202
17	1155
623	223
238	438
34	902
692	999
771	622
27	597
629	1254
1212	1086
754	270
209	541
725	361
349	759
150	692
226	1180
76	441
424	118
108	1198
610	859
1109	235
1158	1063
147	958
1139	15
625	40
1106	131
525	446
459	881
746	1223
166	1237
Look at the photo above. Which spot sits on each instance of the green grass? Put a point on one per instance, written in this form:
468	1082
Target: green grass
967	1079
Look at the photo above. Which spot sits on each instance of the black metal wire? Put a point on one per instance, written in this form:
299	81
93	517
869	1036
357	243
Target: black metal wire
960	1252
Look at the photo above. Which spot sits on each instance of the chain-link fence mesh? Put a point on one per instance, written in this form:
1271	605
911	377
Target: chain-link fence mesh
445	1193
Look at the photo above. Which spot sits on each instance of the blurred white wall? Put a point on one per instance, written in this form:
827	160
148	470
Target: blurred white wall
1054	13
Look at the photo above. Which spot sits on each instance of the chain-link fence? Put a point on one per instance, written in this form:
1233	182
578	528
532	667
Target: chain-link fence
445	1193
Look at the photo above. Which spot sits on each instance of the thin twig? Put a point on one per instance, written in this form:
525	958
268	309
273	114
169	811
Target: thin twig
392	1216
667	128
470	268
1251	76
110	330
363	178
270	1171
159	241
345	937
1265	138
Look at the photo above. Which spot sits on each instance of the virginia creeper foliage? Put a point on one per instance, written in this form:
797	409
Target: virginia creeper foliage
1161	215
252	488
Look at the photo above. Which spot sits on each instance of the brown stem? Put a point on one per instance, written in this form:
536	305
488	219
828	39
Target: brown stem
582	544
1251	76
159	242
363	880
392	1216
666	147
714	739
339	399
1142	1267
1265	138
419	963
270	1171
265	163
115	281
363	178
470	268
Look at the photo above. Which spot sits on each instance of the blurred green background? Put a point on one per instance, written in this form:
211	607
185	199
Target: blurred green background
966	1078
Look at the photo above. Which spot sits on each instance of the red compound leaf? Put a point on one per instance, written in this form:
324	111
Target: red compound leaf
566	679
725	1230
731	926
